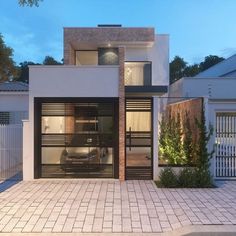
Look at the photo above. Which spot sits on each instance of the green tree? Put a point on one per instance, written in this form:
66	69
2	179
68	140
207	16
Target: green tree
7	64
29	3
203	156
191	70
23	74
48	60
177	68
188	140
210	61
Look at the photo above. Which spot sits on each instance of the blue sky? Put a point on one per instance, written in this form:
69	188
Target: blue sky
197	28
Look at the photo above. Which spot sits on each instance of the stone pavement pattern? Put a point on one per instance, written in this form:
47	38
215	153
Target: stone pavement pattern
112	206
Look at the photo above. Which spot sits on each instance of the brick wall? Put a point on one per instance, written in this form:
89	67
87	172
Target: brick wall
101	35
193	108
121	115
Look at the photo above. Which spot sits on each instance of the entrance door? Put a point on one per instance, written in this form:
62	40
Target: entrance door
138	139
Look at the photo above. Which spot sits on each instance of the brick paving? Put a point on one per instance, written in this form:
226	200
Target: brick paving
112	206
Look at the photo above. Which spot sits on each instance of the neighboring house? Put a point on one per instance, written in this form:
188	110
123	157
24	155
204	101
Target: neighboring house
14	102
96	115
225	68
217	85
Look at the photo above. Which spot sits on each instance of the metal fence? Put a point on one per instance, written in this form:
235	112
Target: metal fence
10	151
225	140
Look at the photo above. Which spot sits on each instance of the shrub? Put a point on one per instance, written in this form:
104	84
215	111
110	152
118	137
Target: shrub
187	178
204	178
170	140
168	178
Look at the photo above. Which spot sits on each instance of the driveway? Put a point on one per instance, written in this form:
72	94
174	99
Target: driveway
112	206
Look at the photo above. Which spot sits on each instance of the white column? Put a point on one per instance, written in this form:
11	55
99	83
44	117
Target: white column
210	120
155	137
27	158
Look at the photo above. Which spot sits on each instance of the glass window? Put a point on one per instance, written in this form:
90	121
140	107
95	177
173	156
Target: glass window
137	73
86	58
138	121
77	139
4	118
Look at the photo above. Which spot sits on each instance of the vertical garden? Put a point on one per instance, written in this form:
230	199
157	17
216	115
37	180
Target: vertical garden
183	142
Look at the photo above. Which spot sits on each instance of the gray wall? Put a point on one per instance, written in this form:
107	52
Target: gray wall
108	56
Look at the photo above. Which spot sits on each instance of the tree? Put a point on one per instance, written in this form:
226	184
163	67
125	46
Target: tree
48	60
188	140
180	68
177	67
191	70
7	64
210	61
23	74
203	156
203	174
29	3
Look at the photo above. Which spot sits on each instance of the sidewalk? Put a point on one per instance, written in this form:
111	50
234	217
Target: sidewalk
105	206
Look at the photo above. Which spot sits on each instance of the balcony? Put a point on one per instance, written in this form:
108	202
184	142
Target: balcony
74	81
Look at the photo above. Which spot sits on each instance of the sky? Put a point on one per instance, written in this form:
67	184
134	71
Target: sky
197	28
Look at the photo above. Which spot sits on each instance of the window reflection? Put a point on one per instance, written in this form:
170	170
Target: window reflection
137	73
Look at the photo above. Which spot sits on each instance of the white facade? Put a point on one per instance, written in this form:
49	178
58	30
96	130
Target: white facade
73	81
158	54
16	105
14	101
215	88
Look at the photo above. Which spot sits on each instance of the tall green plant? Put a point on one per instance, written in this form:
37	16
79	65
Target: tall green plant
188	140
170	141
203	156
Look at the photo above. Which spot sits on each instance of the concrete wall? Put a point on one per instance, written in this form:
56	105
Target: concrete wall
14	101
158	54
220	88
73	81
176	89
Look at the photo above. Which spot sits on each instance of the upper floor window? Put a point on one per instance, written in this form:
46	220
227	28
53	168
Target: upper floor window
138	73
86	58
103	56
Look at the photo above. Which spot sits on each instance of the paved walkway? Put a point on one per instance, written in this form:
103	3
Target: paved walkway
112	206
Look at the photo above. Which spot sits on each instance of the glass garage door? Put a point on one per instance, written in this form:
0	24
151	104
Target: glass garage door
77	140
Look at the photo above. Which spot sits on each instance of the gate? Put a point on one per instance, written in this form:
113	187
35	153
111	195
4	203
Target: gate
225	153
10	151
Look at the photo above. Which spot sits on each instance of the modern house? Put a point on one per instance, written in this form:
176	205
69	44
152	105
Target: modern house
97	115
217	86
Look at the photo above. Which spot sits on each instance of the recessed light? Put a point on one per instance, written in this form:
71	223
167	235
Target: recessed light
109	45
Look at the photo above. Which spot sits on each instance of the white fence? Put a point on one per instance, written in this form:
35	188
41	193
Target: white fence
225	140
10	150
